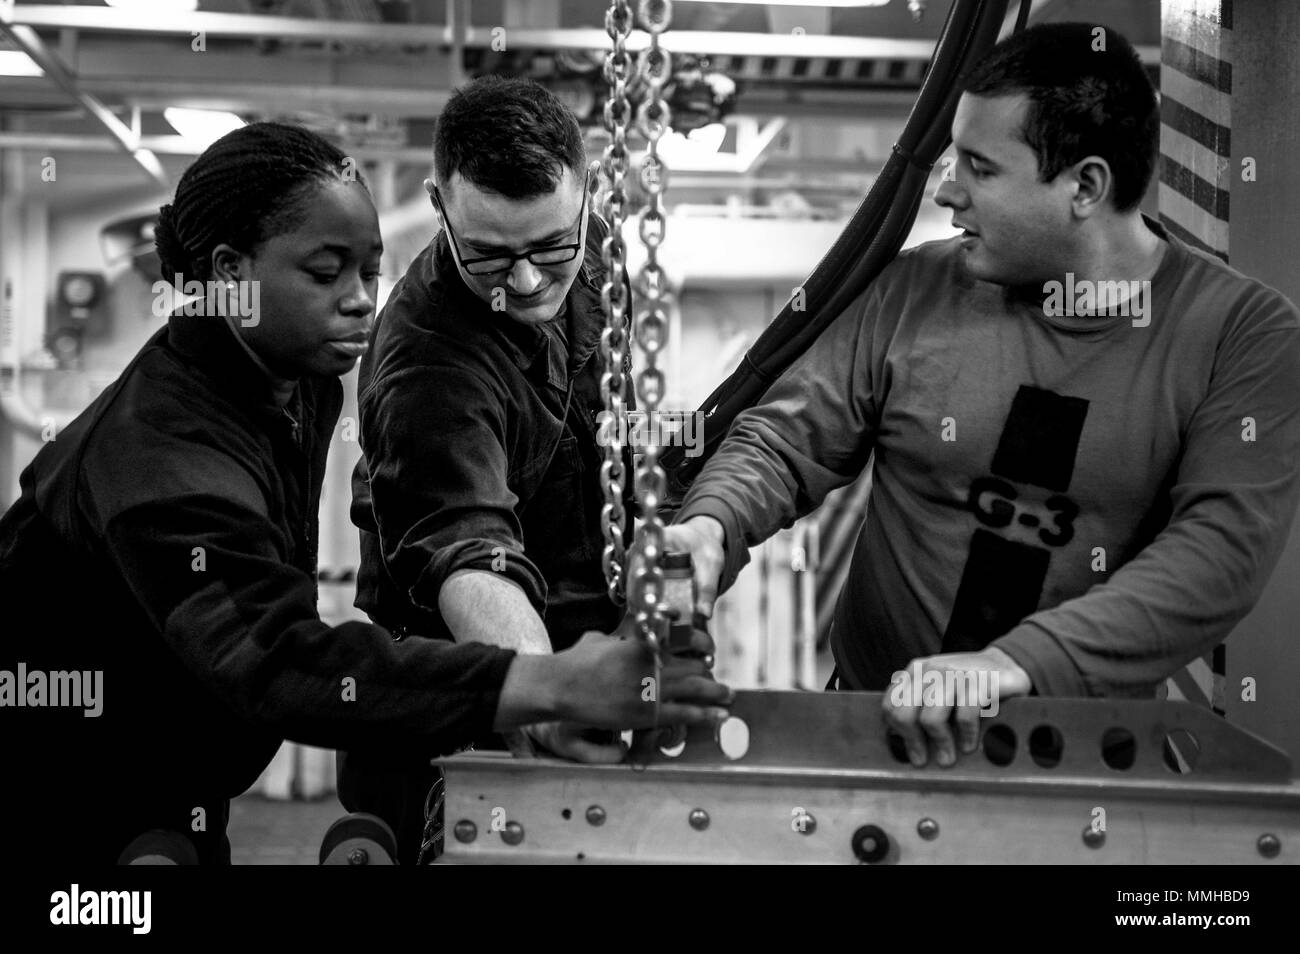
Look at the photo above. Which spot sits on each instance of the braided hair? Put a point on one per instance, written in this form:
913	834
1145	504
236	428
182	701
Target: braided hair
245	188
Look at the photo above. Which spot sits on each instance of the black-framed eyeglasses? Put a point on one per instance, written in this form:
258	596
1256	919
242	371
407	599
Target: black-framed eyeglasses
551	255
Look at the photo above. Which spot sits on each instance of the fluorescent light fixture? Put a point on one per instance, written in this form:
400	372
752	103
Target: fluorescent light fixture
155	6
18	63
801	3
203	127
698	151
704	141
708	137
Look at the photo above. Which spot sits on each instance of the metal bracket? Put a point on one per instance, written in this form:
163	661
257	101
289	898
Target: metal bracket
1120	738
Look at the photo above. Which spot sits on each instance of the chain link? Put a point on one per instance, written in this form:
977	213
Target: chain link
614	299
653	119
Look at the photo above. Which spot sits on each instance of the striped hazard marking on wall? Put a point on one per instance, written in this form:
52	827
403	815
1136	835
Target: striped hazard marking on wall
1195	173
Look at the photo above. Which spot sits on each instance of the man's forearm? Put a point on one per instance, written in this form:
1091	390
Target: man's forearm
483	607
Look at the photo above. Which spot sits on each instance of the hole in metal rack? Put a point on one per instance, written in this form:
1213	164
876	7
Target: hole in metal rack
1118	749
1181	752
1000	744
733	737
672	751
671	741
1046	744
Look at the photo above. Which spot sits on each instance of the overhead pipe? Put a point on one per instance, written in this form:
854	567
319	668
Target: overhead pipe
89	19
127	138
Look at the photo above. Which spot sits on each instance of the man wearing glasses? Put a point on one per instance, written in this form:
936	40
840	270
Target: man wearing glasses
478	497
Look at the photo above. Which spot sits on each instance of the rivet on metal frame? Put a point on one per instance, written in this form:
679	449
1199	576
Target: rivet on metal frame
513	833
699	819
1269	845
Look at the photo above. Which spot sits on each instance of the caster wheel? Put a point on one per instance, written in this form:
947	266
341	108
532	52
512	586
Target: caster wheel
159	847
359	839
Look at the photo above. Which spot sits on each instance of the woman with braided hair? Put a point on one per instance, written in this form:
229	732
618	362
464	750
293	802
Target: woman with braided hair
163	549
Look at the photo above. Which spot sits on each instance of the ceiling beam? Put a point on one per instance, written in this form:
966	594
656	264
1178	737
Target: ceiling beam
253	26
124	138
159	93
181	146
171	145
247	25
754	153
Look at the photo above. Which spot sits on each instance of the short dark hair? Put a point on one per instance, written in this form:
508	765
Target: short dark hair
1082	101
510	136
248	186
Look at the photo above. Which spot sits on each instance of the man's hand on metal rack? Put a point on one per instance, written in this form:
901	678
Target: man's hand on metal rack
926	699
578	743
610	683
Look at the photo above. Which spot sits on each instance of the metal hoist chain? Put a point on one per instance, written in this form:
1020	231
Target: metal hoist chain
614	300
653	120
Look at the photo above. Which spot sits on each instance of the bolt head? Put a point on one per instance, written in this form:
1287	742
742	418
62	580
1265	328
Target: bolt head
595	815
1269	845
928	829
358	856
465	831
699	819
1092	837
513	833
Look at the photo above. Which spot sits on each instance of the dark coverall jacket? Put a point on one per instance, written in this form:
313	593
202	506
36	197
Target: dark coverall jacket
480	441
168	538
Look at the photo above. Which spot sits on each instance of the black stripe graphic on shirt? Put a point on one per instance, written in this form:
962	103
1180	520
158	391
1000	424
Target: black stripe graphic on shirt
1040	438
1003	579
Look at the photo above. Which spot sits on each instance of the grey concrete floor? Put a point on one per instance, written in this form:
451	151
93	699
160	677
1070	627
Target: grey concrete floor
263	831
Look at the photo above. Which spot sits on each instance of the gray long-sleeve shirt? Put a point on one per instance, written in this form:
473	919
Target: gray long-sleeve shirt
1100	497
